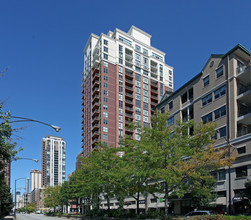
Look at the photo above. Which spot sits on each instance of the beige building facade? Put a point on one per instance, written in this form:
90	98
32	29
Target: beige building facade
220	93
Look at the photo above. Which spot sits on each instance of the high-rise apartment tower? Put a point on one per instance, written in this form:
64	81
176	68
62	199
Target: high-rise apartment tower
53	161
36	180
123	78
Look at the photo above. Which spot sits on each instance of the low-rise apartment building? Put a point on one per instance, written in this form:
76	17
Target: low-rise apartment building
220	93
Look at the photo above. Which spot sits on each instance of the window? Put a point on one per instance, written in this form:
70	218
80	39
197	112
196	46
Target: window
145	93
220	92
145	51
206	100
138	90
120	89
105	85
137	69
105	114
219	72
105	129
105	136
145	106
223	132
241	150
137	137
145	80
120	97
137	117
105	99
207	118
137	96
170	105
157	56
220	175
105	56
105	78
105	107
145	99
138	103
137	76
120	125
105	42
125	40
170	121
138	83
137	47
105	70
206	81
120	104
120	111
105	64
106	49
105	121
241	171
145	112
145	72
120	69
105	92
220	112
120	61
120	118
145	119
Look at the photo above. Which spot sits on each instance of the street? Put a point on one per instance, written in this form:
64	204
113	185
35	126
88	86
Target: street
34	217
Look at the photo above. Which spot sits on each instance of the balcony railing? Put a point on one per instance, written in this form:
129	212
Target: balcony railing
128	115
129	94
244	110
244	131
243	88
130	81
129	101
129	87
129	108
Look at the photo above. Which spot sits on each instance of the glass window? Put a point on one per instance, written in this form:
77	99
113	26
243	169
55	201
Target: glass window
145	51
105	114
220	112
105	64
105	129
138	90
125	40
170	121
105	42
105	56
145	112
145	106
120	125
157	56
105	107
220	92
138	110
105	99
120	97
105	78
170	105
120	118
222	175
105	85
145	119
105	92
145	86
105	121
120	69
120	104
145	99
105	136
137	137
138	103
105	70
170	73
137	96
106	49
120	61
223	132
137	47
219	72
137	69
138	117
241	150
145	80
137	76
138	83
241	171
206	81
145	93
207	118
120	111
206	100
145	72
120	89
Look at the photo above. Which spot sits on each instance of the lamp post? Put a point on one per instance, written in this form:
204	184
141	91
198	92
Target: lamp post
23	119
35	160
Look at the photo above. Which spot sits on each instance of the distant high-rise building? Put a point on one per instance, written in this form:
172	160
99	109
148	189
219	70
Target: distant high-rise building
36	180
27	185
53	161
124	77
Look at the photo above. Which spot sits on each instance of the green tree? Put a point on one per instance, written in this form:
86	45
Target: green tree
173	157
6	199
52	197
31	207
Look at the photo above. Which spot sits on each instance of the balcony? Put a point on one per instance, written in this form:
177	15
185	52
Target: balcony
127	108
95	141
244	114
128	81
154	69
154	97
95	84
128	57
95	91
244	131
95	134
155	91
243	74
127	101
95	98
95	120
129	95
128	74
96	76
129	88
95	127
95	105
154	75
129	115
154	84
95	112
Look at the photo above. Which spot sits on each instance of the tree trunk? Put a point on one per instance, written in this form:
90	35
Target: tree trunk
137	203
108	202
166	199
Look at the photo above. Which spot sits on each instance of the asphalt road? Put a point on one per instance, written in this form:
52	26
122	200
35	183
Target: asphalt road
34	217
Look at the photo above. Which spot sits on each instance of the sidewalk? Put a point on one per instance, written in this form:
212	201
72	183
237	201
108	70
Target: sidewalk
8	218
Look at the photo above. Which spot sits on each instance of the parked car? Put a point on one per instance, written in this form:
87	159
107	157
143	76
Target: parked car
200	212
38	212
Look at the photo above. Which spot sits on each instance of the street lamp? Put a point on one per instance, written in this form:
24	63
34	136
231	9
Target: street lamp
18	158
23	119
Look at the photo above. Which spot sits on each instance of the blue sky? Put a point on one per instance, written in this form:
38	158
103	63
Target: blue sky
42	42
